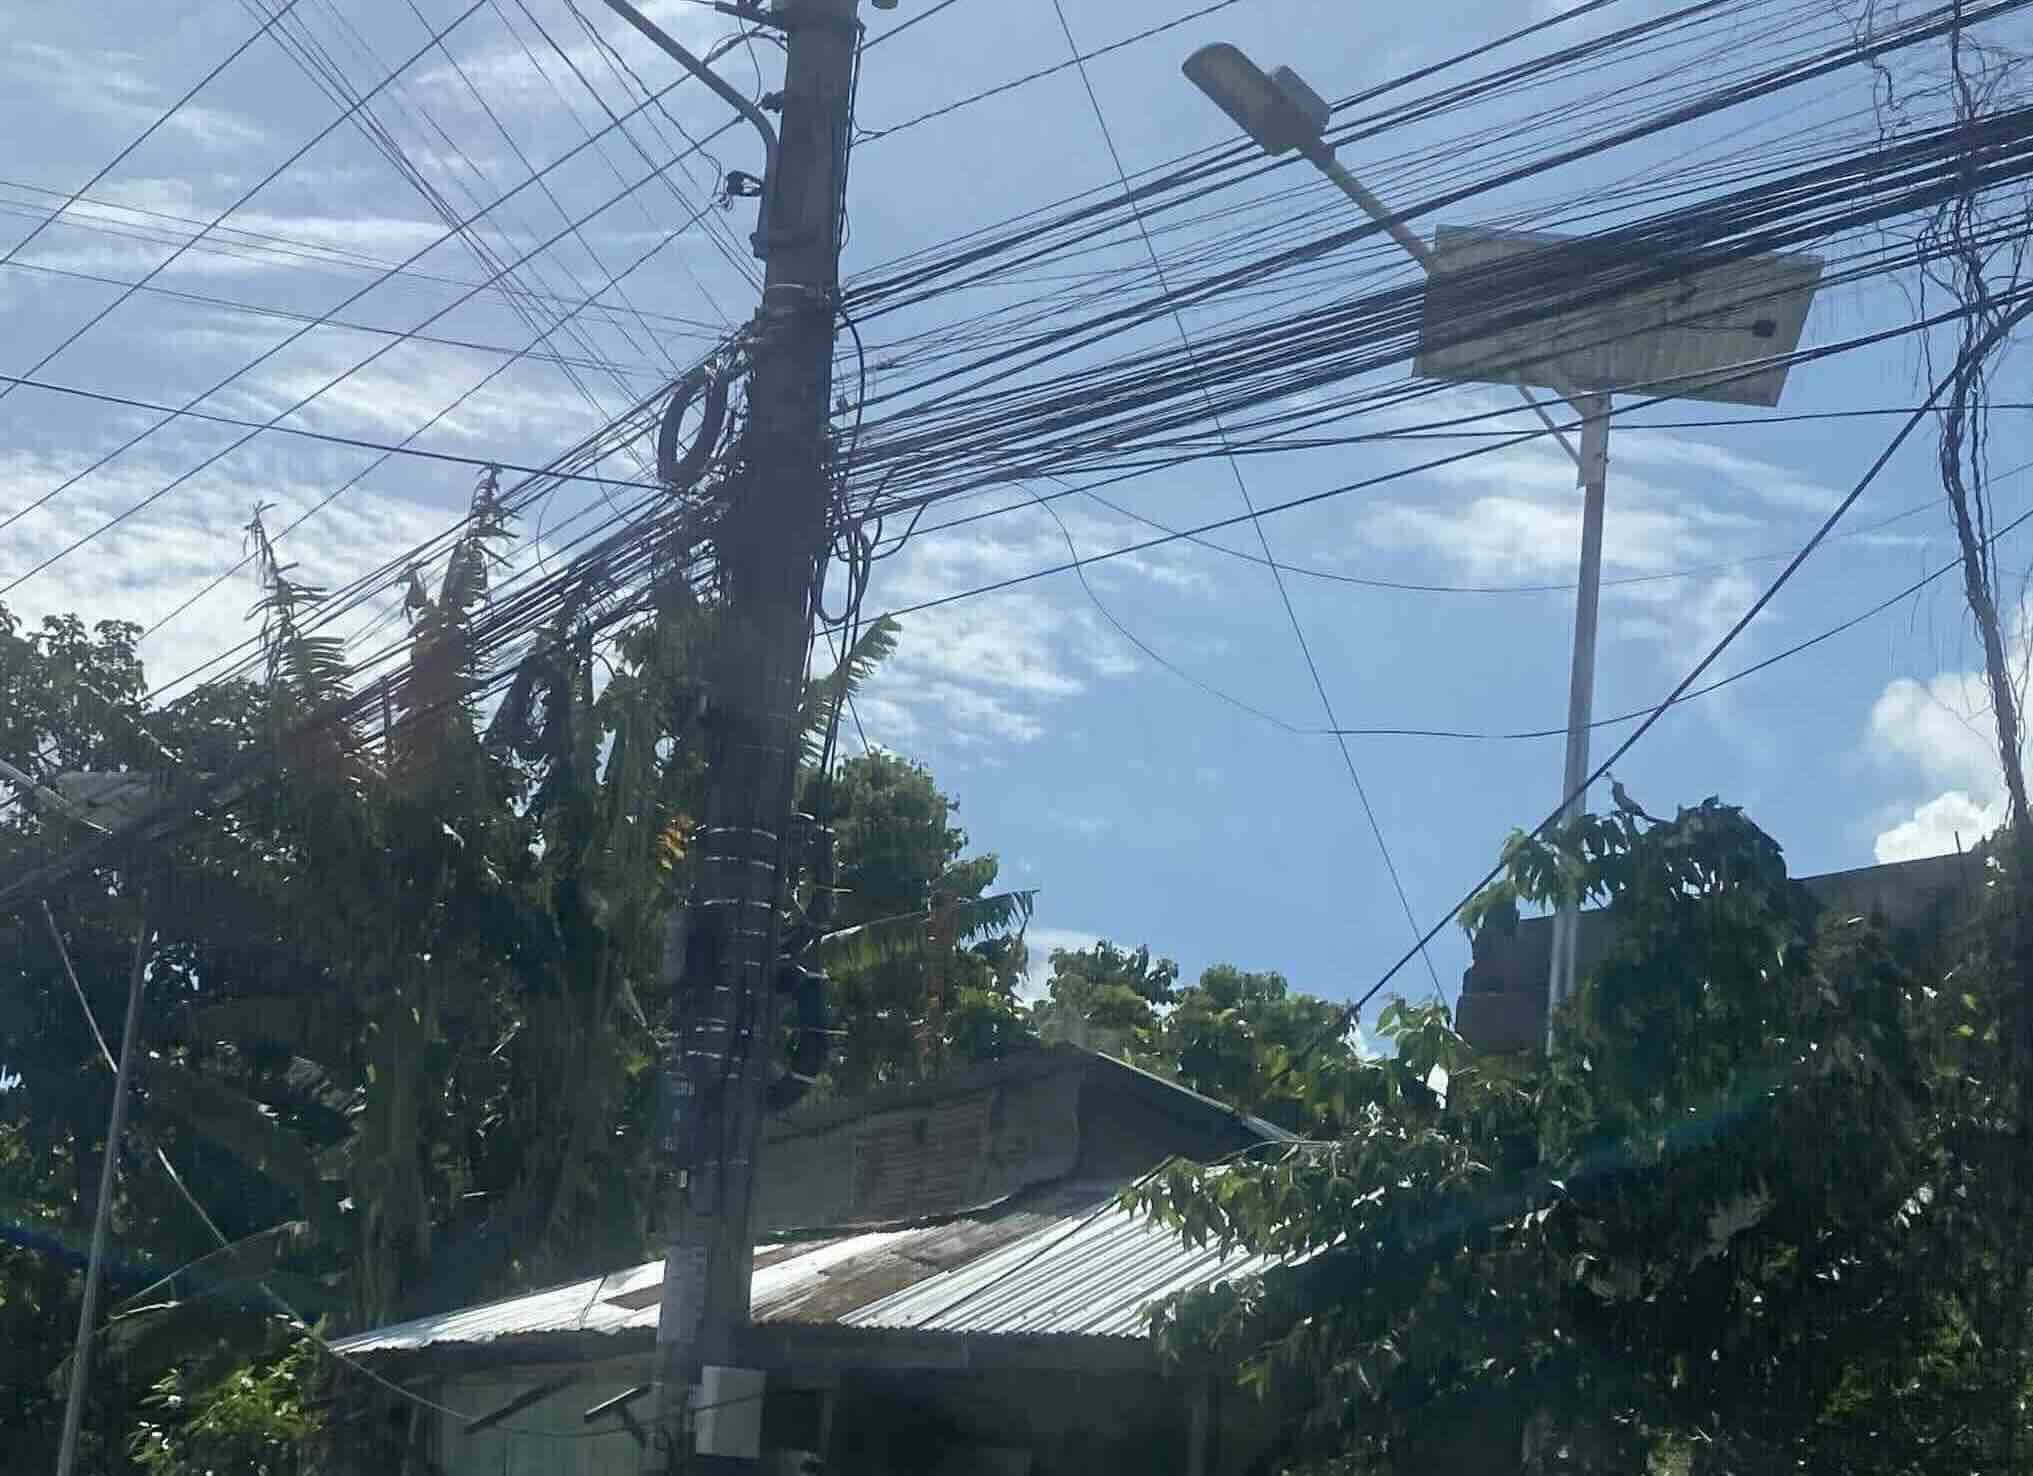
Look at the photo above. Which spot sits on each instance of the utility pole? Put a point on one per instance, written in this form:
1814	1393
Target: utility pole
102	1218
1566	947
772	540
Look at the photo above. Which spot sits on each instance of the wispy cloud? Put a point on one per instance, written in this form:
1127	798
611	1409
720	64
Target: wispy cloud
1038	968
991	668
148	564
1513	516
110	86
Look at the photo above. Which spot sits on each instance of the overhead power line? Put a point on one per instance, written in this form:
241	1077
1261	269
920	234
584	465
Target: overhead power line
350	325
160	121
2014	308
870	135
370	359
248	194
328	437
1249	502
259	246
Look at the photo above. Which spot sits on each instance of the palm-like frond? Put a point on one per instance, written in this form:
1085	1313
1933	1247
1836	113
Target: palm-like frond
250	1258
903	936
824	695
242	1127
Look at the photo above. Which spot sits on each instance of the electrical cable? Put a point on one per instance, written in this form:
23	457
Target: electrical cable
1249	502
2020	307
179	480
290	339
904	25
142	137
1715	686
102	397
870	135
265	248
319	137
260	310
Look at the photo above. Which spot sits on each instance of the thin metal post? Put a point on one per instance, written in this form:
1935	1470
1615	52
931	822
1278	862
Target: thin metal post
1581	684
731	95
102	1220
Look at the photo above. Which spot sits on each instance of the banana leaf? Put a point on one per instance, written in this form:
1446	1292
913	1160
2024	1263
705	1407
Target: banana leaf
248	1259
243	1128
824	694
903	935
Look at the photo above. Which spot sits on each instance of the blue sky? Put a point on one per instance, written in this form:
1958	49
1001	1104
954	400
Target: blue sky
1142	808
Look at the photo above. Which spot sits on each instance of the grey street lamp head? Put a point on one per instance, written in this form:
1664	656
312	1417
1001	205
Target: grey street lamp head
1279	111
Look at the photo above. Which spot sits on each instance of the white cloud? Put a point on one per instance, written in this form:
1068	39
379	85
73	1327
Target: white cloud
991	668
109	85
147	565
1513	517
1038	968
1940	728
1948	822
1940	732
534	73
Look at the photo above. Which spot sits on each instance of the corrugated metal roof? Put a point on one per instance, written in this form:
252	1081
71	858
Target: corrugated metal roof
1066	1261
1095	1274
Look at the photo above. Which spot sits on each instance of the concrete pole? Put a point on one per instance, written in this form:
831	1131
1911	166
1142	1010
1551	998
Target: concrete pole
771	540
1594	479
102	1221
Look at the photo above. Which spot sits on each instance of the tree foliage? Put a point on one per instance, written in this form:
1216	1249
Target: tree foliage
1242	1037
1727	1217
406	991
925	959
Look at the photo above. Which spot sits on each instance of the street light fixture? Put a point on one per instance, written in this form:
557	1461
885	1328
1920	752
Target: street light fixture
1279	111
1678	351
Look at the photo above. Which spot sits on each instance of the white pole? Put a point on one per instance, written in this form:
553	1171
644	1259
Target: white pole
81	1354
1581	684
1592	463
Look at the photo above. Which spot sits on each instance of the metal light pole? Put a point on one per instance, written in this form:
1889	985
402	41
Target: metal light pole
1282	114
102	1219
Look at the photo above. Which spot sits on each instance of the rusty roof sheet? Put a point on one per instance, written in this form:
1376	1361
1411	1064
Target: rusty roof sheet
1095	1274
1063	1260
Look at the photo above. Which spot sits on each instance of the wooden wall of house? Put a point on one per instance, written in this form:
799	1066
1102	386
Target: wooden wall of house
546	1439
976	1138
1069	1423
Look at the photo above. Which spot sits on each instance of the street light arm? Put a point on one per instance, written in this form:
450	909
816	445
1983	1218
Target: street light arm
1322	159
705	74
1547	420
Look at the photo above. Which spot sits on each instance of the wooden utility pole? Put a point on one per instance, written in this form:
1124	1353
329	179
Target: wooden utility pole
771	542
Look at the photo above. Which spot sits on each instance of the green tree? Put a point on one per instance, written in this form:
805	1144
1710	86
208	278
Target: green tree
1242	1037
925	959
251	1420
1107	998
407	985
1695	1227
403	982
1248	1039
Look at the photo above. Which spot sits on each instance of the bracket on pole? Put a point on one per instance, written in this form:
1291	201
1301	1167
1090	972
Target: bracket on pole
618	1407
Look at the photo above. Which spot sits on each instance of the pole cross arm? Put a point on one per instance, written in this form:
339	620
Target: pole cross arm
706	74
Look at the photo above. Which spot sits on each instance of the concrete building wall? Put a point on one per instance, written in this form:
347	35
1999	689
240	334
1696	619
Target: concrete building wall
1502	1006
